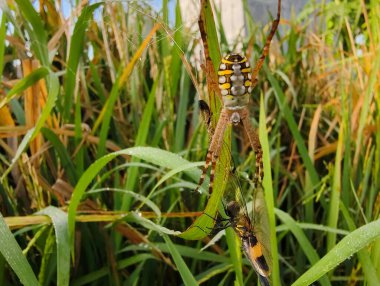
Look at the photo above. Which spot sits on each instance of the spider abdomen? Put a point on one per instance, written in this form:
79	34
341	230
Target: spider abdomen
235	83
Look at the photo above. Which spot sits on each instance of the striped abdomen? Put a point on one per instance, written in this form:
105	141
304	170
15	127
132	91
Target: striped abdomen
234	76
253	249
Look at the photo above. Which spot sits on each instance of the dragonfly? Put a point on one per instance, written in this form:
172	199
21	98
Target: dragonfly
234	83
252	231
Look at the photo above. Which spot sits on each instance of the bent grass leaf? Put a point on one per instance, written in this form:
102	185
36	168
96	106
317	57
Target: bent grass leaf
343	250
158	157
59	220
24	83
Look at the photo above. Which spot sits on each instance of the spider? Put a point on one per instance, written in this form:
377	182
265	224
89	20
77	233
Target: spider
234	82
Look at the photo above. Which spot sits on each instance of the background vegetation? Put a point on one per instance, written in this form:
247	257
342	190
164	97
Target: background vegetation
99	125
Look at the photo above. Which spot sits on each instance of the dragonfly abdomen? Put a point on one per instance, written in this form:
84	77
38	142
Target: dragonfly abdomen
254	252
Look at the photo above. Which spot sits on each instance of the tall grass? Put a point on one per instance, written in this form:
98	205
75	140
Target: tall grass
101	140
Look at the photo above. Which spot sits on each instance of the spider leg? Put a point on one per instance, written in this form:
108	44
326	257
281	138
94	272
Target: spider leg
217	144
214	149
209	156
254	140
265	50
207	115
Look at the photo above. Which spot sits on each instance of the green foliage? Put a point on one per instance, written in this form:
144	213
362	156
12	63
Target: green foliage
101	144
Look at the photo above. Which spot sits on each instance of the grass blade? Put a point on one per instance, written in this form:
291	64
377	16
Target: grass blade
303	241
344	249
268	189
12	253
59	220
281	100
24	83
187	277
76	51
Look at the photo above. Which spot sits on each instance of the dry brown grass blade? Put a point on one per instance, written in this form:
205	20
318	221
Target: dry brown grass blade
32	105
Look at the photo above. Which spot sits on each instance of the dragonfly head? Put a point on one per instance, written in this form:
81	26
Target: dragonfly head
232	209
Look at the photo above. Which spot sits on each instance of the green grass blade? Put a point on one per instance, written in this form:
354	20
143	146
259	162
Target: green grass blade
212	35
36	30
333	214
76	52
284	107
187	277
12	253
182	115
59	220
234	246
344	249
268	189
61	151
369	268
141	138
24	83
303	241
2	44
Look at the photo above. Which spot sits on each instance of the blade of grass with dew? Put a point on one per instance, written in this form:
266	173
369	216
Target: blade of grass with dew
369	269
24	83
50	103
59	220
268	190
187	277
135	217
284	107
12	253
303	241
144	200
75	54
123	75
343	250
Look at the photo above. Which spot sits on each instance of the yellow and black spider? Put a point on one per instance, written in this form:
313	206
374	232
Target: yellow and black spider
234	82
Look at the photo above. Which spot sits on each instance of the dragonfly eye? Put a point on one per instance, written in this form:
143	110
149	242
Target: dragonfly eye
232	209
